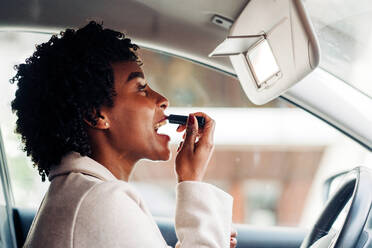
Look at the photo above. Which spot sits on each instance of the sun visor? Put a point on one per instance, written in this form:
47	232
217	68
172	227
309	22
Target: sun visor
271	46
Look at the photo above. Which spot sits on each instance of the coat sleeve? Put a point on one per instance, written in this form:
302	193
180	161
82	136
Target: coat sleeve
203	216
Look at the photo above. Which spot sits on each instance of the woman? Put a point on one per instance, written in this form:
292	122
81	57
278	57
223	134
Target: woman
87	115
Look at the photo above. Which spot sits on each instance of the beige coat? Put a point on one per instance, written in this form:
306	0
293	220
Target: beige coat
86	206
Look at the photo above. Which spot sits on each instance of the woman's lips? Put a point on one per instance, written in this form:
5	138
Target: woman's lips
164	136
160	123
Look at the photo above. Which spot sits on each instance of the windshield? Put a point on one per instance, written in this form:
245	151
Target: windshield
345	36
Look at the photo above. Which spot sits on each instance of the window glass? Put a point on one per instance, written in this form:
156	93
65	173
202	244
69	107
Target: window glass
272	159
26	184
345	39
186	84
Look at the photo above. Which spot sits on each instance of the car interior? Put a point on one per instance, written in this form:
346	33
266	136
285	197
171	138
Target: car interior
288	83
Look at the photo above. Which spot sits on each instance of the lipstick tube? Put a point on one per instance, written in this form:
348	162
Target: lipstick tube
182	119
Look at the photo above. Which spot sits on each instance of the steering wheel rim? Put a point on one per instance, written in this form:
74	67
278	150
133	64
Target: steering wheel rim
357	187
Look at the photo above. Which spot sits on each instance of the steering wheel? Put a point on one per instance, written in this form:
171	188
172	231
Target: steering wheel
356	187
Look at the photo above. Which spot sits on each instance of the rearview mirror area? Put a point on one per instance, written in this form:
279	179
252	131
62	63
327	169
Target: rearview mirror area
271	46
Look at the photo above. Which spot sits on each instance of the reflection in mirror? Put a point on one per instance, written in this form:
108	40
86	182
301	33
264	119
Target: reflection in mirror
263	64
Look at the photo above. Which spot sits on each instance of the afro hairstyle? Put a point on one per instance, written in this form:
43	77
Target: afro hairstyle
66	81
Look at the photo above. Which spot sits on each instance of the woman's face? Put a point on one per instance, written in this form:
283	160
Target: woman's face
133	118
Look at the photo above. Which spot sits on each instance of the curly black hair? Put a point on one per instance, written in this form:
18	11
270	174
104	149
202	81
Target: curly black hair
66	80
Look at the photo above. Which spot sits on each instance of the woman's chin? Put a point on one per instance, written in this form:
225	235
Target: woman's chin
166	155
163	152
161	155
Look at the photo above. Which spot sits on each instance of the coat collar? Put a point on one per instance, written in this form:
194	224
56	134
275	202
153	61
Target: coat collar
74	162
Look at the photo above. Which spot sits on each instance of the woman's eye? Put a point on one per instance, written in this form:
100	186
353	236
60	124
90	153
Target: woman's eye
142	87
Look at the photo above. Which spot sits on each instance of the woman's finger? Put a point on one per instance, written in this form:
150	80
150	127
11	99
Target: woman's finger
191	133
208	130
233	242
233	233
181	128
180	146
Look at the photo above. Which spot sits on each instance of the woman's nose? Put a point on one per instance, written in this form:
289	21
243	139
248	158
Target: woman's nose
162	101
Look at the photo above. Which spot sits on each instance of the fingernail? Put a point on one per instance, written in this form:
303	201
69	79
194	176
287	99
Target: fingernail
179	147
191	119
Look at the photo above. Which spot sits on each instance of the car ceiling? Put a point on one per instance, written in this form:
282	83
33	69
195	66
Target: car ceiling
180	27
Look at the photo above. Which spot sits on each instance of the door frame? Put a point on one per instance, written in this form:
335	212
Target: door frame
8	225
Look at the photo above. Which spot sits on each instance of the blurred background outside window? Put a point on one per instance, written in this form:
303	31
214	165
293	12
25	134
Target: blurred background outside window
272	159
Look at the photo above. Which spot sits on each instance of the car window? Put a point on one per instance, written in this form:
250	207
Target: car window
345	39
272	159
27	188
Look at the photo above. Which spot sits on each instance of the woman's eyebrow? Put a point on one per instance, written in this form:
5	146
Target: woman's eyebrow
135	74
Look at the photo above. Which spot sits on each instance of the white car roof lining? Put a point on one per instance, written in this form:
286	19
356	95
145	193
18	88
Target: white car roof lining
145	21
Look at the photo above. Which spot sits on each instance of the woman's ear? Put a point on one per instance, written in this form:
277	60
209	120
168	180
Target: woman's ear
102	122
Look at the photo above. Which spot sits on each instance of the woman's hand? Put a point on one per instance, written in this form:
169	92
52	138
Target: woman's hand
233	240
193	155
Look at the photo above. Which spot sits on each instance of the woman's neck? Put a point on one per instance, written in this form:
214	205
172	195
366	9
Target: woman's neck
119	164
